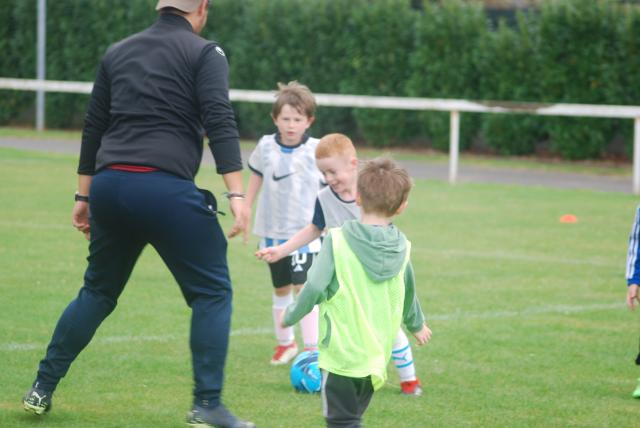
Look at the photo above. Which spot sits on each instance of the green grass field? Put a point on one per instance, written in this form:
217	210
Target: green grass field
529	323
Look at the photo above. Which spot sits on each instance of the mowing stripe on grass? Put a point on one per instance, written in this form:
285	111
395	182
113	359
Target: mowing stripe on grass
259	331
129	338
33	225
556	309
439	252
515	257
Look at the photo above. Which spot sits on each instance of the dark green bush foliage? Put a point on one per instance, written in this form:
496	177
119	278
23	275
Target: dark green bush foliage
378	63
508	64
444	64
571	51
18	57
580	52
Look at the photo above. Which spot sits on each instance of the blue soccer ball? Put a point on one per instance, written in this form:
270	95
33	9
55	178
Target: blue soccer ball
305	374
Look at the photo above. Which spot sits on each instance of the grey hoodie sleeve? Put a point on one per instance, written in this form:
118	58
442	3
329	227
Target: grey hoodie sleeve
317	288
412	315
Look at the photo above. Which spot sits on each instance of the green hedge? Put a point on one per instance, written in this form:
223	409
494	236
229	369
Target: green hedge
574	51
444	64
378	41
509	64
18	56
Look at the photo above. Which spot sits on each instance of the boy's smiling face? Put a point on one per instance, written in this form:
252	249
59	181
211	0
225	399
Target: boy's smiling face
292	125
340	172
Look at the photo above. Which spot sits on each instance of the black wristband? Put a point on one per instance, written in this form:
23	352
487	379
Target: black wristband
78	197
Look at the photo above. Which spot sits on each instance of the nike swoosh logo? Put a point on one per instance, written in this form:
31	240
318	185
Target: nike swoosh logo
276	178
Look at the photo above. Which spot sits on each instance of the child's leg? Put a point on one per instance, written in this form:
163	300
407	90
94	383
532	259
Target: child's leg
636	393
403	357
403	360
282	297
344	399
300	264
309	326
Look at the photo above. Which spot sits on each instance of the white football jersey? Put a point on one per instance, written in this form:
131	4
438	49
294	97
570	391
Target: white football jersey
290	184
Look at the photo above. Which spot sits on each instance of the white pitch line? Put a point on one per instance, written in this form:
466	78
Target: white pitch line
260	331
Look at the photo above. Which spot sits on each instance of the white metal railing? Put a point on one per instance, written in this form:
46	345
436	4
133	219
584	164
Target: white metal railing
455	107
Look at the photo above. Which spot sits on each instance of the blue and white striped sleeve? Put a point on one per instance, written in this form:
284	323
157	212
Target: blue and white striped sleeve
633	261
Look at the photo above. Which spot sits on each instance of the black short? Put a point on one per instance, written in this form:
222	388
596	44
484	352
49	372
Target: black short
291	270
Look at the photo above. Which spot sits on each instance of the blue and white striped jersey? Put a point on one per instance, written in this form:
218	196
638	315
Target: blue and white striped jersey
290	183
633	262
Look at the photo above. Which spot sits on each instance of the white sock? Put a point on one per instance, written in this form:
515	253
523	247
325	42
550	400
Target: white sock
403	357
309	327
284	335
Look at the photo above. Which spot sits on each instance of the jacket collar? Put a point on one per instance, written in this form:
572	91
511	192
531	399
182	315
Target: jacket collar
174	20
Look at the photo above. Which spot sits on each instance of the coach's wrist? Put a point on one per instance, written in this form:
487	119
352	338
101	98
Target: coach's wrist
80	198
235	195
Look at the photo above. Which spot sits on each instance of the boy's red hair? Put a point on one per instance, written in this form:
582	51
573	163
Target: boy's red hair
335	144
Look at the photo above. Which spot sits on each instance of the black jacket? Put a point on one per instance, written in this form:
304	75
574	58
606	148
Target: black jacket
155	94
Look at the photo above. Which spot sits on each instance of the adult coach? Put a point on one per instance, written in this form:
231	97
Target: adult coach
155	94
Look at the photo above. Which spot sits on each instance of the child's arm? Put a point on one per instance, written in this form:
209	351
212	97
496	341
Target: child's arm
413	317
316	289
255	182
300	239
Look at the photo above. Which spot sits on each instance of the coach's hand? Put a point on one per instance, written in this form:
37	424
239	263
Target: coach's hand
240	215
80	218
632	296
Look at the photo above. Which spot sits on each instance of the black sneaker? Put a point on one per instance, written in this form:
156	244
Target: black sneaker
37	400
218	417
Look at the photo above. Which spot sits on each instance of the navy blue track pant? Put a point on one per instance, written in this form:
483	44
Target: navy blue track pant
129	210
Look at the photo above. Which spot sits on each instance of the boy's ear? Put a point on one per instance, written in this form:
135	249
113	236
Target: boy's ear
311	120
402	207
358	200
353	161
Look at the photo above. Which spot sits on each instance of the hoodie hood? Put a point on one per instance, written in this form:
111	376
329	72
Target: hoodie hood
381	249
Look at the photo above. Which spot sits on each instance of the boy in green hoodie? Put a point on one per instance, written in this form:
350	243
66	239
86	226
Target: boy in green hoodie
364	283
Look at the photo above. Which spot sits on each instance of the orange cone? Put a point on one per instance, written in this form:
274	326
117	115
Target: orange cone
568	218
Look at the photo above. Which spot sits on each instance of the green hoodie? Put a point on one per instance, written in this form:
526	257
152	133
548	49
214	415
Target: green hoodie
381	250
